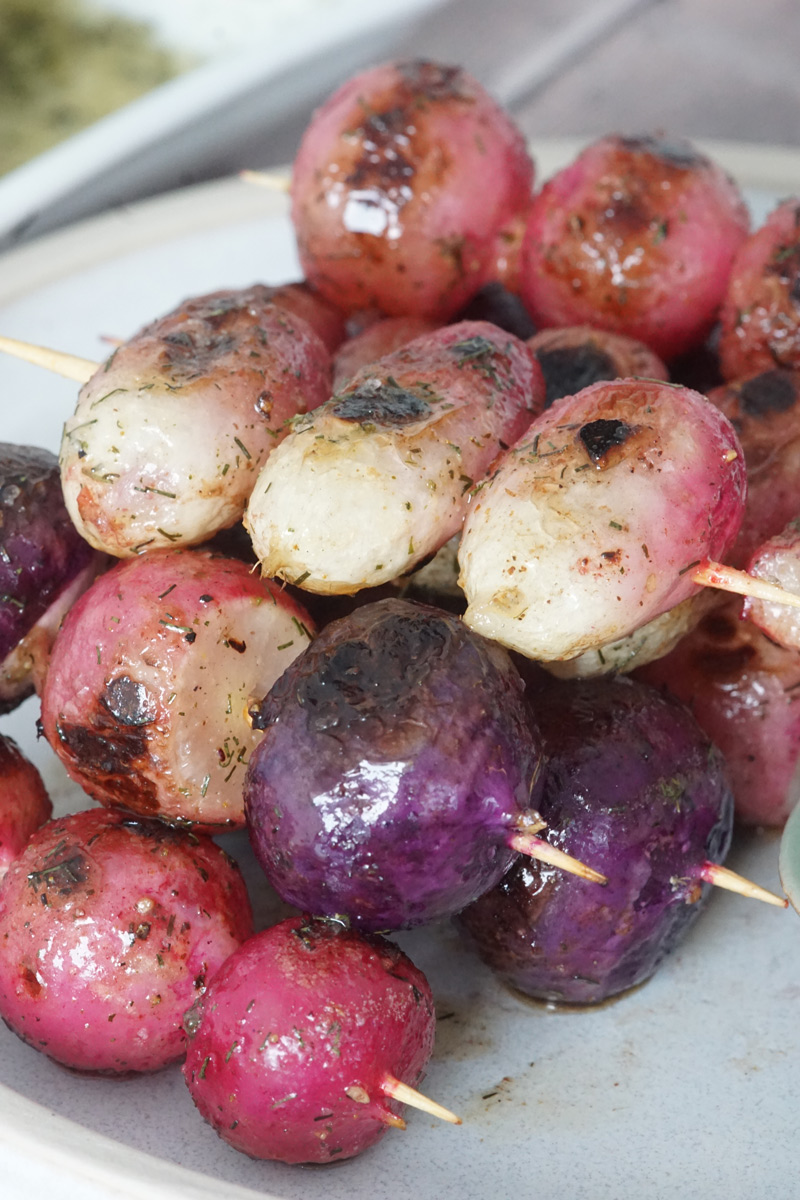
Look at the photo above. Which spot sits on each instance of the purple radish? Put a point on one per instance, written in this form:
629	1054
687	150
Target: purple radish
633	784
394	780
44	565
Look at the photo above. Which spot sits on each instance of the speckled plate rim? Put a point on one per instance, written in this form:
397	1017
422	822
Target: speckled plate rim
37	1145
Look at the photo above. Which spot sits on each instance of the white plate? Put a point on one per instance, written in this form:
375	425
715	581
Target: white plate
689	1084
286	55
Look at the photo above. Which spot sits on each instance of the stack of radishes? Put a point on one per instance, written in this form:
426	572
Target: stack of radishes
402	766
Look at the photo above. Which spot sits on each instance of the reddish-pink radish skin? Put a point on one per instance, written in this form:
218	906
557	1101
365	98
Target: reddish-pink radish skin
377	340
291	1042
777	561
765	411
636	236
326	319
744	692
386	203
109	930
508	249
24	802
146	699
760	314
169	434
588	527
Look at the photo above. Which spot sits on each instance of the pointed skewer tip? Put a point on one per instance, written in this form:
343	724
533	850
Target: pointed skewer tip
538	848
725	878
275	181
408	1095
729	579
69	365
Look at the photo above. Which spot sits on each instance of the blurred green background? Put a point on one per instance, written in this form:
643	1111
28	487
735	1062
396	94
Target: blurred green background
64	64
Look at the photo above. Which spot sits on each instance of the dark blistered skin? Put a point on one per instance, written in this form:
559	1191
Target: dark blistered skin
760	315
633	786
472	365
501	307
384	202
577	356
698	368
289	1047
636	236
764	409
41	552
395	759
110	928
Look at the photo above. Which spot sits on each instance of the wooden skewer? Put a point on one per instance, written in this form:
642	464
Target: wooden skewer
728	579
389	1118
274	180
538	848
68	365
408	1095
723	877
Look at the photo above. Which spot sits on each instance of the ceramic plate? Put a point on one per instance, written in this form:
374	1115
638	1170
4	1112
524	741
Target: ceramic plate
687	1085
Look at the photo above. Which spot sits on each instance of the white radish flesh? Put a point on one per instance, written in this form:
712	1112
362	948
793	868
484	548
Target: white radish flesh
590	526
377	479
170	433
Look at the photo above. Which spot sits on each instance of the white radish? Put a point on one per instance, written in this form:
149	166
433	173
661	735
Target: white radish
591	525
377	479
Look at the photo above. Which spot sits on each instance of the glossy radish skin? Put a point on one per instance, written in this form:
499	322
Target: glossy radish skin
146	701
169	435
508	249
44	566
760	316
777	561
501	307
587	529
109	930
745	693
24	802
396	762
576	356
633	782
636	236
764	409
377	340
377	479
289	1046
384	198
326	319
